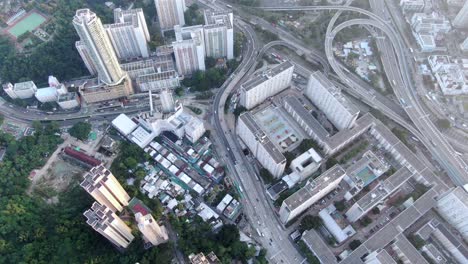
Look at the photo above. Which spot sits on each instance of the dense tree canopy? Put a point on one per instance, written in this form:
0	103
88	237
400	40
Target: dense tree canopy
32	231
80	130
197	236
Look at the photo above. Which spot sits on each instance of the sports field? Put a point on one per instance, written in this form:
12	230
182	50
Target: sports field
29	22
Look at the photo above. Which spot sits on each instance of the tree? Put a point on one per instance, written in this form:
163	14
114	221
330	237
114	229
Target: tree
266	176
376	210
193	16
239	110
365	221
340	205
310	222
443	124
289	157
210	62
80	130
307	144
354	244
332	161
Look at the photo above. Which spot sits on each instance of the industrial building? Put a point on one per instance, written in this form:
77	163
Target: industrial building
129	34
99	49
101	184
329	99
453	207
170	13
189	49
313	191
270	82
109	225
219	34
267	154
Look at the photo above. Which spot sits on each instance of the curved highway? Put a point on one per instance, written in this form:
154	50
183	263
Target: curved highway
403	87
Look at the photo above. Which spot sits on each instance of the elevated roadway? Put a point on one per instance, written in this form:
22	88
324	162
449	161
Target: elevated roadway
403	87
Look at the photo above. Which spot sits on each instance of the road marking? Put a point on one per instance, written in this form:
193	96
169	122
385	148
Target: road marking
272	257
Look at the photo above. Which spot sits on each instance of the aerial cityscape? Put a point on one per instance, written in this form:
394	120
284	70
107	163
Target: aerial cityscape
234	131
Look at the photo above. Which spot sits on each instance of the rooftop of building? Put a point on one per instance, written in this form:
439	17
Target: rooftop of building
84	15
460	193
67	97
363	123
334	91
315	243
407	249
24	86
382	256
157	76
313	187
261	136
164	62
214	18
266	75
124	124
306	116
383	189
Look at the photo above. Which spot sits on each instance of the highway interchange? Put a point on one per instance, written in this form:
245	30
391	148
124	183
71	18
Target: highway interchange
424	129
402	85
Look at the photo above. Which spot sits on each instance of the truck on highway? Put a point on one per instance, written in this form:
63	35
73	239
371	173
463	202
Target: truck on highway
258	232
402	101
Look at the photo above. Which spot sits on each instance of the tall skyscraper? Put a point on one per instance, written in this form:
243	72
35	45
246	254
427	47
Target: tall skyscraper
219	34
98	46
152	232
461	20
189	50
129	34
101	184
108	224
170	13
86	57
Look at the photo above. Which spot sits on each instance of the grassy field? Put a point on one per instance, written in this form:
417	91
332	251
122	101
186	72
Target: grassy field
28	23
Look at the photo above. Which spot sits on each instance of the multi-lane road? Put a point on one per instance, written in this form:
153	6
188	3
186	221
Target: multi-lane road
403	87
